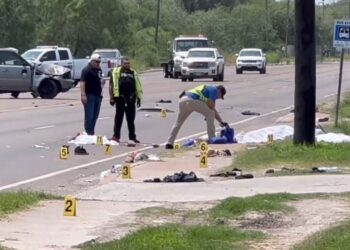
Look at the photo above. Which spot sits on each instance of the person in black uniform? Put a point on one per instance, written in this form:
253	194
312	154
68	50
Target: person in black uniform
125	91
91	92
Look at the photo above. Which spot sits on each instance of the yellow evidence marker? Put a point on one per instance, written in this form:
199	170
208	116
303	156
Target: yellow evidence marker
203	146
203	160
99	140
108	150
163	113
64	152
70	206
126	172
269	138
177	146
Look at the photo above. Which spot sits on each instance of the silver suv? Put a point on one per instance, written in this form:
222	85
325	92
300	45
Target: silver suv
251	60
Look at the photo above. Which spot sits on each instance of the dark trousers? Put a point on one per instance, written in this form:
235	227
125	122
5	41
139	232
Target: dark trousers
92	110
129	108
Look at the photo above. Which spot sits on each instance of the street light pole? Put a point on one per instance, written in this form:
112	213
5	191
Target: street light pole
287	29
157	24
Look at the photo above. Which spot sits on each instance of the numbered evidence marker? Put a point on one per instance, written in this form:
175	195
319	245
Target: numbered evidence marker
70	206
99	140
177	146
163	113
269	138
64	152
203	147
108	149
203	160
126	171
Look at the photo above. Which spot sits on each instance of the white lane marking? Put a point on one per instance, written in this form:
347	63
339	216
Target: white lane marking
104	118
45	127
16	184
325	96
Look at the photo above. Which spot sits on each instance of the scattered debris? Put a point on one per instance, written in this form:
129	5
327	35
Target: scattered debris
270	171
153	157
178	177
164	101
324	119
116	168
141	157
325	169
40	146
244	176
233	172
80	150
248	112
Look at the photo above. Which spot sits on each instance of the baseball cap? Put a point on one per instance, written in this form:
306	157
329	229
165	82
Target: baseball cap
95	57
222	90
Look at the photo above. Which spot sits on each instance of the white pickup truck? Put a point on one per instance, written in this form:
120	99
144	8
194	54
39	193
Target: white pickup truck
203	63
59	56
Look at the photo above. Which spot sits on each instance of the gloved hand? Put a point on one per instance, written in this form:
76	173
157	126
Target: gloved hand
138	102
224	124
111	102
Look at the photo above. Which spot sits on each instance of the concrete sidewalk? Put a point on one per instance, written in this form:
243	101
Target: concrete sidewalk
116	200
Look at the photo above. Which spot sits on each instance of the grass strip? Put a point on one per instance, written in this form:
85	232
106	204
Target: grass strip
178	237
337	237
286	154
11	202
234	206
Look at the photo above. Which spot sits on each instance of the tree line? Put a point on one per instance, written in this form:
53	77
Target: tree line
130	26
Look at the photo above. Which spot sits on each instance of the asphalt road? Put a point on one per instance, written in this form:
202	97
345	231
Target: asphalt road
26	122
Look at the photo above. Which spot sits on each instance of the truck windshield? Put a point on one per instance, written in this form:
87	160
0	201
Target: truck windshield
201	54
250	53
31	55
185	45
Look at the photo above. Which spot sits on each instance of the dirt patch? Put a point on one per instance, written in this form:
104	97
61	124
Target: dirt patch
310	216
283	230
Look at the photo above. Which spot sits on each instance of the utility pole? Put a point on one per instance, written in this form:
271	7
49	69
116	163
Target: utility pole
157	24
305	73
266	20
287	29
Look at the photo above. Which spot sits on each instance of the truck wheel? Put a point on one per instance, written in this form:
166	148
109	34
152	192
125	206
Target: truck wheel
221	76
184	79
165	72
176	75
263	71
190	79
238	71
48	89
15	94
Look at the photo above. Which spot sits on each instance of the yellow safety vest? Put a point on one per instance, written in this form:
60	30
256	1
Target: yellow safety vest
199	91
116	76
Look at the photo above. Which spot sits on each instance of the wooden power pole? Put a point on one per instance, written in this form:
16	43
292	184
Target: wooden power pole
305	73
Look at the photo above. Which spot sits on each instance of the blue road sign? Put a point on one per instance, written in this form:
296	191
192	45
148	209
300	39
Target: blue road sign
341	34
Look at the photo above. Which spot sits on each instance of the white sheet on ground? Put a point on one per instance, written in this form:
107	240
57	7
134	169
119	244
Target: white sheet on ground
282	132
84	139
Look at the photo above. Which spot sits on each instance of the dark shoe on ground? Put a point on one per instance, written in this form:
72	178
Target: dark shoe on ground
135	140
169	146
116	139
80	151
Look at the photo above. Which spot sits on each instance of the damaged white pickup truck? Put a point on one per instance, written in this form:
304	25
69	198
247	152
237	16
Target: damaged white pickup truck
18	75
203	63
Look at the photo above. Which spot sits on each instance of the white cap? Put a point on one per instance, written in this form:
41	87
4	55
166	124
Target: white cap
95	57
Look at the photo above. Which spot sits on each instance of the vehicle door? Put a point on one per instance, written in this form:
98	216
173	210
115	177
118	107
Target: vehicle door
64	59
220	59
15	72
49	57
